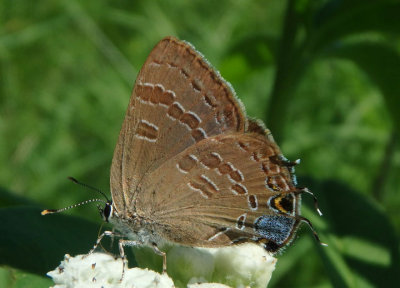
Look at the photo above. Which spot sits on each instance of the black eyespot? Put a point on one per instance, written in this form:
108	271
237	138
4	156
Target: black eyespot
271	246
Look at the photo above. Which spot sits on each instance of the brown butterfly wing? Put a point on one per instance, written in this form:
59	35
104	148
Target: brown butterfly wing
177	100
218	192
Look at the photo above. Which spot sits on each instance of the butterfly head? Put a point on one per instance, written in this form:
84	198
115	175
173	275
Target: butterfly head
106	212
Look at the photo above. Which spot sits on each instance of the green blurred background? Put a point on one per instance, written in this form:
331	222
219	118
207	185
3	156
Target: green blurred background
323	75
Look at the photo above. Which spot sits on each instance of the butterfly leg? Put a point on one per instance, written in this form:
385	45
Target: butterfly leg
122	243
112	237
105	233
163	254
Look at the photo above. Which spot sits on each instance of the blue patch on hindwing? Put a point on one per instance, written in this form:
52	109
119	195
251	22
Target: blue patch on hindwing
276	228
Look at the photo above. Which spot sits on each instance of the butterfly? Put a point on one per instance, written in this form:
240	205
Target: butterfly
191	168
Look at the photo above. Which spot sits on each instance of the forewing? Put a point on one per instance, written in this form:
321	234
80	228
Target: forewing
177	101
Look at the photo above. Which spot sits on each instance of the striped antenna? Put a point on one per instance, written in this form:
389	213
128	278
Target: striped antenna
52	211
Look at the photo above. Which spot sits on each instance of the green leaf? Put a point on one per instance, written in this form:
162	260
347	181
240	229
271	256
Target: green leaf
381	63
11	199
363	246
258	50
338	19
36	243
13	278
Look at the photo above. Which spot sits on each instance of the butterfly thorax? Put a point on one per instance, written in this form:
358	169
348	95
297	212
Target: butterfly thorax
136	227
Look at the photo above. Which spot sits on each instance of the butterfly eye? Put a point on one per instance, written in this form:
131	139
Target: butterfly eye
107	211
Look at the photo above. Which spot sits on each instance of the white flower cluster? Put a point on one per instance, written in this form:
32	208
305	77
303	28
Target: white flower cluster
238	266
